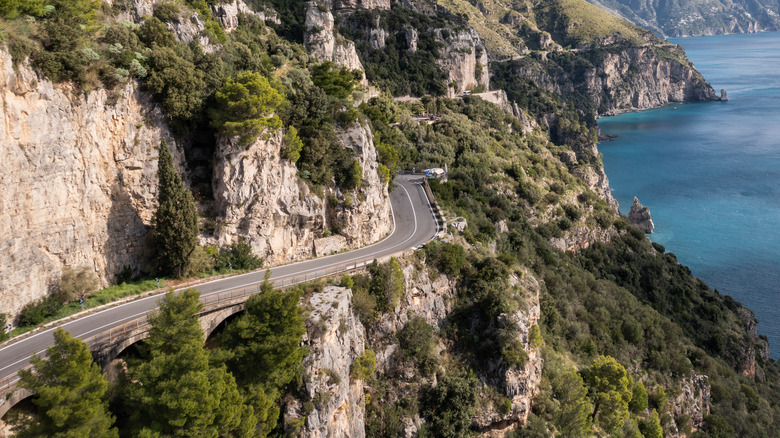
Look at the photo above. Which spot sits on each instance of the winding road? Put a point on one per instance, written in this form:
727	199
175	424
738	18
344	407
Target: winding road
414	224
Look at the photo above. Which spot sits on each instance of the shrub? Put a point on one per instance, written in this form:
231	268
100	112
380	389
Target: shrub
363	366
3	333
200	261
36	312
76	284
365	306
292	145
166	12
239	255
417	344
387	284
447	257
337	82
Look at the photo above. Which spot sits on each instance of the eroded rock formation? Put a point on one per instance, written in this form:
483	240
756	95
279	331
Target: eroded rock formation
640	216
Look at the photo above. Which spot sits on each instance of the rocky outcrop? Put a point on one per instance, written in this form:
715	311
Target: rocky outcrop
259	197
227	14
640	216
324	43
331	402
693	401
620	76
464	59
520	385
78	185
340	5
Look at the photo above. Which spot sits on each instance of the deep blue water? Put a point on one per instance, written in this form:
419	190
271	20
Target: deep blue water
710	172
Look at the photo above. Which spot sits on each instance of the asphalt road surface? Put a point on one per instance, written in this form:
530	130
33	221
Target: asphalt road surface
414	225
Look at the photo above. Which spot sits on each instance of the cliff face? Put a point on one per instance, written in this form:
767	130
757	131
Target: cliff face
464	58
78	184
259	197
615	77
331	402
79	188
324	43
681	18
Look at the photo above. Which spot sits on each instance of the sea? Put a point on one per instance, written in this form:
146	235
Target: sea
710	172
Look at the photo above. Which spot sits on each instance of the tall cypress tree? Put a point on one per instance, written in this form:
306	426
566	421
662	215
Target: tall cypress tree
176	219
70	390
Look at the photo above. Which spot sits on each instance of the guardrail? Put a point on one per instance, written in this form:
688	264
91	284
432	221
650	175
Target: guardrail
231	295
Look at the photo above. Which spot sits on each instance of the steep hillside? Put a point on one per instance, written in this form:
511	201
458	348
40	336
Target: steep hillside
538	310
701	17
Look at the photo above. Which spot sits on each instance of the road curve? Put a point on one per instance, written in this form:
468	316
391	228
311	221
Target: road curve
414	225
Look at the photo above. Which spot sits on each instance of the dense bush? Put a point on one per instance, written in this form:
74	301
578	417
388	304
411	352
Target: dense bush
448	258
418	346
363	366
36	312
76	284
238	256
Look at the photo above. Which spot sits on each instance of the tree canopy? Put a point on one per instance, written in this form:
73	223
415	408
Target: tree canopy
245	107
175	390
70	393
609	387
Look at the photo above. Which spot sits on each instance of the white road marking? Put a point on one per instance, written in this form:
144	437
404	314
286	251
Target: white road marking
395	228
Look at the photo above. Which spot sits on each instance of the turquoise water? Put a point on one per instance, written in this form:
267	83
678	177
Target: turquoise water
710	172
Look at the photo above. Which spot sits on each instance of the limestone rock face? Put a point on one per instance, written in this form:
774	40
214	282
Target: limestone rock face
464	58
323	43
432	296
520	385
360	4
692	400
640	216
78	184
259	197
227	14
626	79
338	400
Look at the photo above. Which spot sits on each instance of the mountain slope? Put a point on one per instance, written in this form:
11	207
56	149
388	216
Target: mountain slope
679	18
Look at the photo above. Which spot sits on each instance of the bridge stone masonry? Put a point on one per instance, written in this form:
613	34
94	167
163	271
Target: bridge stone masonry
108	345
415	223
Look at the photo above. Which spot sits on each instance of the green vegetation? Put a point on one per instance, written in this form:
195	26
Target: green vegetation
395	67
70	393
3	322
245	107
363	366
76	284
266	353
238	256
417	345
175	388
448	407
176	219
609	388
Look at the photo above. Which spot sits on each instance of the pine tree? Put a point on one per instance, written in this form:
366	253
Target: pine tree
70	393
609	386
176	220
266	346
176	391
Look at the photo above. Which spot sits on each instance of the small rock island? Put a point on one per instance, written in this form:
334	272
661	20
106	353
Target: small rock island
640	216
